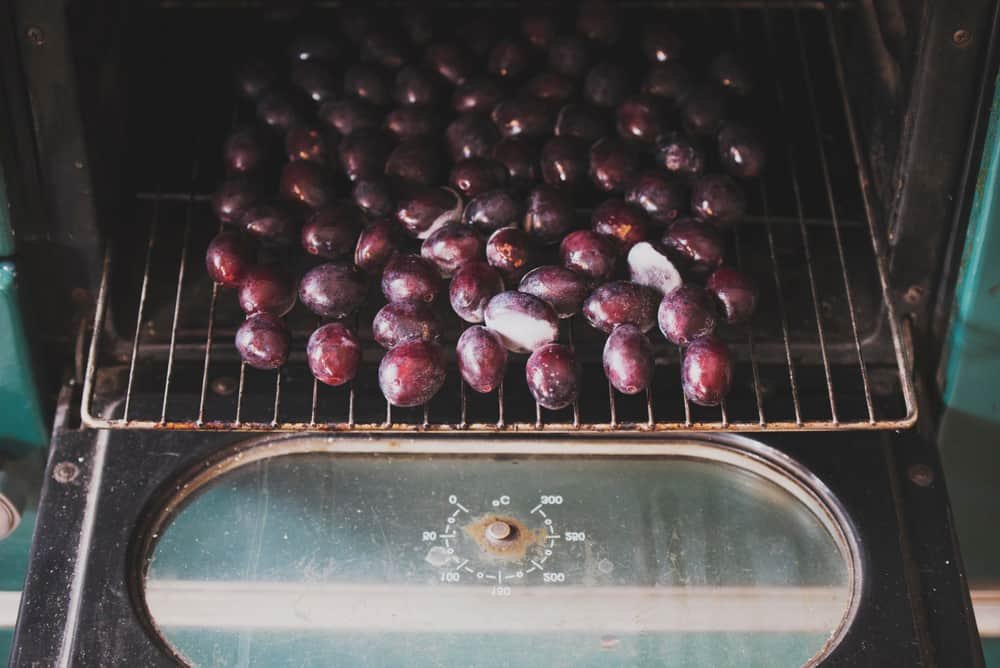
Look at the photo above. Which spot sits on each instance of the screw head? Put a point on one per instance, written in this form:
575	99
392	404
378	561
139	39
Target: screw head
921	475
498	531
65	472
961	37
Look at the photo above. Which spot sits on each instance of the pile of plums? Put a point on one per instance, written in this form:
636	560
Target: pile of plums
520	174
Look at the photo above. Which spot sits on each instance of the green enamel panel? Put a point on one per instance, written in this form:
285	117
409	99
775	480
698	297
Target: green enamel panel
6	231
22	426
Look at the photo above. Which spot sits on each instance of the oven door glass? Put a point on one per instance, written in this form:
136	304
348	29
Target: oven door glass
691	554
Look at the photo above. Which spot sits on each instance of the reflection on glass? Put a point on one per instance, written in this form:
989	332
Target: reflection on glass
391	560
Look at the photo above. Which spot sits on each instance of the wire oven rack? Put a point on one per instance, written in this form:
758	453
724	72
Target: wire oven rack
826	351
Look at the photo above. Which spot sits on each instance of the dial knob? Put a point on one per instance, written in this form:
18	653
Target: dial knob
499	531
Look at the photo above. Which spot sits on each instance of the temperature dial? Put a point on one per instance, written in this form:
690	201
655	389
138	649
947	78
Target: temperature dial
510	541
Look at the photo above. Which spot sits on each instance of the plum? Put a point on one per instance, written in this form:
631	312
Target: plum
384	47
263	341
599	22
478	94
554	376
422	210
625	223
332	231
520	157
233	198
628	359
244	151
397	322
680	155
363	153
305	182
698	248
562	289
475	176
228	258
564	162
523	322
412	373
707	371
409	122
669	81
590	254
374	197
649	265
612	164
279	110
549	215
313	47
508	59
640	118
267	288
333	354
254	78
719	199
417	24
523	117
473	285
703	110
550	87
569	55
510	251
417	161
448	61
333	290
482	359
663	197
735	291
348	116
492	210
539	28
270	223
581	121
606	85
452	246
686	314
416	86
369	83
315	80
732	72
471	135
378	242
478	34
620	302
741	150
309	142
659	43
409	276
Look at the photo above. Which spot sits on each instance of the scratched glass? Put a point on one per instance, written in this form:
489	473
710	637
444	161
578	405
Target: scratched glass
322	559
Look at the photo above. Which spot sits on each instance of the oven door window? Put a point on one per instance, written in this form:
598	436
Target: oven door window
697	556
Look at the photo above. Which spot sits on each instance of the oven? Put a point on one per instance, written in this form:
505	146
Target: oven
201	511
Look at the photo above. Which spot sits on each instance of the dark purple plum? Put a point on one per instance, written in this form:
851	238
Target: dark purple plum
368	83
279	110
228	258
523	322
707	371
452	246
589	254
313	46
539	28
569	55
719	199
378	242
374	197
333	354
668	81
422	210
600	22
663	197
244	151
686	314
472	287
416	161
307	183
233	198
386	48
348	116
310	142
416	86
626	223
254	78
263	341
449	62
478	34
412	121
333	290
471	135
270	223
356	22
628	359
564	162
554	376
698	248
363	153
522	117
412	373
520	156
620	302
315	80
550	87
332	231
492	210
735	291
475	176
562	289
582	121
408	276
732	72
649	265
606	85
549	214
477	94
641	118
482	359
397	322
509	59
703	110
510	251
659	43
417	24
613	164
267	288
741	150
680	155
